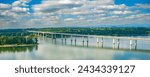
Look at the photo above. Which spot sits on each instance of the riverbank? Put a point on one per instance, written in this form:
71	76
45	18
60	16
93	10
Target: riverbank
18	45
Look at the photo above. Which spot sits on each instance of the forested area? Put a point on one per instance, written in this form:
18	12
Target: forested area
4	40
14	32
107	31
16	36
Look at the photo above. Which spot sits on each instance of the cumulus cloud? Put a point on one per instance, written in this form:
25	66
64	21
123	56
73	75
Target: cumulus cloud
14	9
16	3
71	13
121	7
22	3
68	19
54	5
145	6
20	10
5	6
122	12
14	13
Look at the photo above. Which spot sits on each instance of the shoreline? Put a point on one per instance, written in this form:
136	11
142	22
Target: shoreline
16	45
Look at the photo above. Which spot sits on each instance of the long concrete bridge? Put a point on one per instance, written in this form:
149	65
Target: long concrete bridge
133	41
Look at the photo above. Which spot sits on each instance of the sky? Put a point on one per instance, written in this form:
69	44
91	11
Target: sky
74	13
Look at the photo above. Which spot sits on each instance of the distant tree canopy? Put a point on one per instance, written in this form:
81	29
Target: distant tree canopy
15	33
16	36
111	31
5	40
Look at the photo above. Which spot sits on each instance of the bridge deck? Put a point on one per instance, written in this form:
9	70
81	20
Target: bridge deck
94	36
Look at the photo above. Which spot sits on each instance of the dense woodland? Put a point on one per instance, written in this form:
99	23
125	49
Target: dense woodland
14	32
4	40
108	31
16	36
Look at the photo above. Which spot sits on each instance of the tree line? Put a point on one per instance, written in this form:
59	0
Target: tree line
17	36
5	40
110	31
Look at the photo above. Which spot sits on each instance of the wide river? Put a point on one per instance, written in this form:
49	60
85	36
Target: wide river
48	50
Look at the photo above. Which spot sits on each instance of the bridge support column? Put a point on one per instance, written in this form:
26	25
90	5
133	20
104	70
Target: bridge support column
113	43
71	40
97	42
65	40
52	37
135	45
83	41
131	43
118	43
75	40
87	42
55	38
62	39
102	42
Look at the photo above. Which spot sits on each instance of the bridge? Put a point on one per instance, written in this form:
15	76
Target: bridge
133	41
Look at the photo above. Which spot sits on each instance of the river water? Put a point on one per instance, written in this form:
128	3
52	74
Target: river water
48	50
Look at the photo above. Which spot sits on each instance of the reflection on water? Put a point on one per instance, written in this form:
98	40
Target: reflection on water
17	49
50	51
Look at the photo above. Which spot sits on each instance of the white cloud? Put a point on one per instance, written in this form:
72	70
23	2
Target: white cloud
122	12
52	6
68	19
121	7
71	13
22	3
5	6
139	16
16	3
13	14
145	6
20	10
25	1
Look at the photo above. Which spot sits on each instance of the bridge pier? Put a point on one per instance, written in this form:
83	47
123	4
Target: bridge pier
131	43
113	43
52	37
87	42
135	45
97	41
102	42
65	40
62	39
71	40
75	41
55	38
118	43
83	41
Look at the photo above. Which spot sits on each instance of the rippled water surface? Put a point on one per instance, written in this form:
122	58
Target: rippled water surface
46	50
